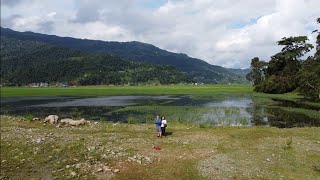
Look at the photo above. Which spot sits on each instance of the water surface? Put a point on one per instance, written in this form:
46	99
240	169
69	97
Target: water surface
229	111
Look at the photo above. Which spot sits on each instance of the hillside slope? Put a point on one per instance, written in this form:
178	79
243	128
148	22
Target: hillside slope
24	62
198	69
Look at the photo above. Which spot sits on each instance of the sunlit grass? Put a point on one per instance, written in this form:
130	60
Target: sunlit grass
202	91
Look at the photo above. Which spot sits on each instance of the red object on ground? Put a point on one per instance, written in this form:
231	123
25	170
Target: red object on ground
157	148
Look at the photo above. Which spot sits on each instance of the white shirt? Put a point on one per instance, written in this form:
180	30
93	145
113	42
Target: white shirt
163	122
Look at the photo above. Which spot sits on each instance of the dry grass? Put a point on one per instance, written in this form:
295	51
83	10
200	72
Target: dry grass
31	150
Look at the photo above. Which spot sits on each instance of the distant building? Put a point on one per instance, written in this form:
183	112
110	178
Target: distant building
62	85
41	84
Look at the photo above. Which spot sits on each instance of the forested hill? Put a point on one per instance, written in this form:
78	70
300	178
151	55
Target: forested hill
24	61
198	69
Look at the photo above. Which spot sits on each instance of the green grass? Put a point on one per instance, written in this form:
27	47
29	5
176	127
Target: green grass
202	91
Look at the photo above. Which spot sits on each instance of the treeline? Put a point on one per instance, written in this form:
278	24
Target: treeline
287	71
24	62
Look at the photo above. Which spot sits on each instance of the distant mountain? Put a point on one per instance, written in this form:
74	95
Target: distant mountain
242	72
24	62
195	68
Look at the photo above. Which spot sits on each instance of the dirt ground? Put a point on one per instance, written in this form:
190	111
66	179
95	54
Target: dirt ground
36	150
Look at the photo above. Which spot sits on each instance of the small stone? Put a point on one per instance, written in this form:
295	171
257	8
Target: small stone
106	169
104	156
268	159
138	161
116	170
73	173
147	159
99	170
78	165
91	148
67	166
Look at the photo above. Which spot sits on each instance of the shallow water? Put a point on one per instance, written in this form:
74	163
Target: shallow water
230	111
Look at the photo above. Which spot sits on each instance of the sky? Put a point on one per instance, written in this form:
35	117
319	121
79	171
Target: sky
227	33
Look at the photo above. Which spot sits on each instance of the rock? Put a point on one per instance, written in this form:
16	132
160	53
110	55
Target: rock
73	173
99	170
116	170
106	169
78	165
268	159
36	119
147	159
67	166
91	148
53	119
138	161
115	124
104	156
38	140
65	121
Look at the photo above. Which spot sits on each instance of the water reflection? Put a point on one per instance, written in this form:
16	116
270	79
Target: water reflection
232	111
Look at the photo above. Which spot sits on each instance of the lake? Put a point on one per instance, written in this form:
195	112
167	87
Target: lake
226	111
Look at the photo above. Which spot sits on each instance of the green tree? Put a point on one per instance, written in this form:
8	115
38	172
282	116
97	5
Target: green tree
256	75
282	71
310	73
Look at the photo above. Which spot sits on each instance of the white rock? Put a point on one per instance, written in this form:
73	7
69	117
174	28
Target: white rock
116	170
73	173
78	165
106	169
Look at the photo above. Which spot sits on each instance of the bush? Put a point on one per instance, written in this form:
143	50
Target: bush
29	117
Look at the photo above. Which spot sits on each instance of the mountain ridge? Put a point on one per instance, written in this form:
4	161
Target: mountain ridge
198	69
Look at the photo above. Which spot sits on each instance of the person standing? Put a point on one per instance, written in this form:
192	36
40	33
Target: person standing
158	123
163	126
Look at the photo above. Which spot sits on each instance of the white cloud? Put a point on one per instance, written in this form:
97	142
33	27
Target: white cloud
227	33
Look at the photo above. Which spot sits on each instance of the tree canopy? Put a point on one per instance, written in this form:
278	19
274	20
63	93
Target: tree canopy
287	71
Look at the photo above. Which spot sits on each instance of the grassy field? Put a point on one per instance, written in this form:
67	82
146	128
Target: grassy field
126	90
33	150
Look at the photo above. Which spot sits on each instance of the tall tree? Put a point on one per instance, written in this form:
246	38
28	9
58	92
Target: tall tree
310	73
256	76
281	73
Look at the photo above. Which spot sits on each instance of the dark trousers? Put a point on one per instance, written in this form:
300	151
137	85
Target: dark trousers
163	131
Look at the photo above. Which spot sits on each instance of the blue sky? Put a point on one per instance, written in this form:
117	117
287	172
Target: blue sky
228	33
153	4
